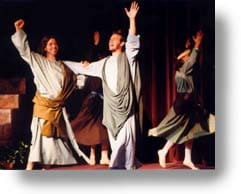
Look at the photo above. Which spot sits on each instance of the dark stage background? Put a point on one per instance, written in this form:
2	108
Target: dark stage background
163	26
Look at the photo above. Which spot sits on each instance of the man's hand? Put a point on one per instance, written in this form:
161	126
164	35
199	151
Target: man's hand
133	10
85	63
132	17
19	24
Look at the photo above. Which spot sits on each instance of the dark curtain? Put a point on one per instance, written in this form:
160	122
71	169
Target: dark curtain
163	25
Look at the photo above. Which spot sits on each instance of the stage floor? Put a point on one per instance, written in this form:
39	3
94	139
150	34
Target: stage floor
152	166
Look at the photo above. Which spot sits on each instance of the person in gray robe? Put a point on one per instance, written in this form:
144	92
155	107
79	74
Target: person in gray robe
121	89
186	120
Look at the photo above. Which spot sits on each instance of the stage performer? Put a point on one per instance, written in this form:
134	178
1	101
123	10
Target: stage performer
186	120
54	82
87	125
121	88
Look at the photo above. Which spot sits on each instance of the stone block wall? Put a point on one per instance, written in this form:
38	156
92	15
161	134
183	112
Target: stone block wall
11	90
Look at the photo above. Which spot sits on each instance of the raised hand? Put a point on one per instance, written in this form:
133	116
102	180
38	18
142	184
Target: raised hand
85	63
133	10
19	24
198	38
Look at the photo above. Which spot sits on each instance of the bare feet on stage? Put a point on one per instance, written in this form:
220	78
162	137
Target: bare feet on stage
162	158
104	161
162	161
190	165
104	158
30	166
92	160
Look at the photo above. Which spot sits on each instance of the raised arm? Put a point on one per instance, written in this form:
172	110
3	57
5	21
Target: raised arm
198	39
193	57
133	41
20	41
132	17
19	24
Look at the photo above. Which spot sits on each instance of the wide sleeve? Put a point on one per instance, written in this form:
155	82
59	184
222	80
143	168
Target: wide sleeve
188	66
132	47
20	41
93	69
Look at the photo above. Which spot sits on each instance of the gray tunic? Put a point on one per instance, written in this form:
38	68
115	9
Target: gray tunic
123	146
181	127
183	77
110	71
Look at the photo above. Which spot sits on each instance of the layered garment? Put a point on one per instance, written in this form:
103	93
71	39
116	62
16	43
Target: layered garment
118	80
50	126
186	119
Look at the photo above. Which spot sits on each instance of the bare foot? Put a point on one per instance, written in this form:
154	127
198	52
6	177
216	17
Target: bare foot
190	165
162	158
30	166
92	160
104	161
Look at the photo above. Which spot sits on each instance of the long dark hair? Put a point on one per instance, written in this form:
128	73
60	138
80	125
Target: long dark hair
43	44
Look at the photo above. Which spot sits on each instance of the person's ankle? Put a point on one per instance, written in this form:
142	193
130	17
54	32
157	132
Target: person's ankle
190	164
92	160
104	160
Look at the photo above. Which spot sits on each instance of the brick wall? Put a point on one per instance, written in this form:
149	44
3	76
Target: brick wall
11	90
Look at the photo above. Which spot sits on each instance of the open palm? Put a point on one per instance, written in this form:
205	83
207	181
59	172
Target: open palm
133	10
199	36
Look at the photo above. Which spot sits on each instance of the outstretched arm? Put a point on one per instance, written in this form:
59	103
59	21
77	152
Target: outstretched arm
198	39
193	57
132	17
133	41
20	41
91	69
